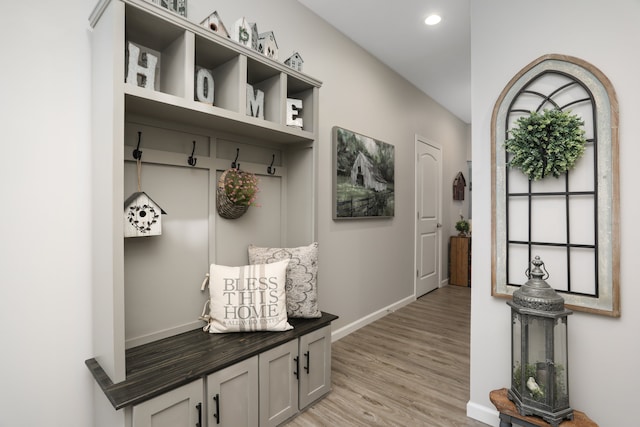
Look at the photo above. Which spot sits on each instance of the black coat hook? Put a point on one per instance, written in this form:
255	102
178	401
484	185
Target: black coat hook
137	154
270	169
192	160
235	164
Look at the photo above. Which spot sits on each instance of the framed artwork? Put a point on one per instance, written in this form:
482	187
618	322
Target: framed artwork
363	180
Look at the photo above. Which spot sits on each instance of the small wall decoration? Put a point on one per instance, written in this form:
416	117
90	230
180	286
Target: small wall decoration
142	216
363	177
236	191
214	23
204	85
459	184
294	61
142	66
293	109
255	102
267	45
242	33
177	6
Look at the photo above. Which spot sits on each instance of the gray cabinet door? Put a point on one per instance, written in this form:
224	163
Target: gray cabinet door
232	395
315	365
176	408
278	384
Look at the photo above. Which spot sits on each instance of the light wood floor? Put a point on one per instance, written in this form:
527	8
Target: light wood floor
410	368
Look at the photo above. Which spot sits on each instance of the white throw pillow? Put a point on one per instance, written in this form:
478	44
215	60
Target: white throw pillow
302	275
247	298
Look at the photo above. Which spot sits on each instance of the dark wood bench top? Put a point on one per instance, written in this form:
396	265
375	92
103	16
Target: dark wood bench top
160	366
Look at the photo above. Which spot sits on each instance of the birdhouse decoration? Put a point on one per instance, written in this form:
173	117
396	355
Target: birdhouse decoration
267	45
539	371
242	33
294	61
215	24
142	216
459	184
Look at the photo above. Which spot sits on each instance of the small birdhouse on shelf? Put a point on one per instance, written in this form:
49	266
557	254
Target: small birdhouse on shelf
267	45
294	61
142	216
214	23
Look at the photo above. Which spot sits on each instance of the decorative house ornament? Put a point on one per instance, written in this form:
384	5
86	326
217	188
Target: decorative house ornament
177	6
142	216
547	143
293	109
242	33
294	61
267	45
539	371
255	102
204	85
254	35
459	184
235	192
141	67
215	24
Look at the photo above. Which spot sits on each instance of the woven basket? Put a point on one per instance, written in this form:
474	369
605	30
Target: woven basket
226	208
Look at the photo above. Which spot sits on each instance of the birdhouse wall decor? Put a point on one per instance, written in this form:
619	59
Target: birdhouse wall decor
459	184
294	61
215	24
267	45
142	216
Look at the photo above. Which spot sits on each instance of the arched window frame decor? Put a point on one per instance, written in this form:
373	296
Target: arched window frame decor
521	210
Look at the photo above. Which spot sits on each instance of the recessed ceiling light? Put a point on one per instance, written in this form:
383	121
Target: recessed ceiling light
432	19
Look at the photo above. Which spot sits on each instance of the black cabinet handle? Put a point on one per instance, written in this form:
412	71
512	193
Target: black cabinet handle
216	415
306	368
199	408
296	372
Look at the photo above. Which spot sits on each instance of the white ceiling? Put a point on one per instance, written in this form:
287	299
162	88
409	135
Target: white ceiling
435	59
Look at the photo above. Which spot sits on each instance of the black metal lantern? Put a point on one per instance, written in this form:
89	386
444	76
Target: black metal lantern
539	371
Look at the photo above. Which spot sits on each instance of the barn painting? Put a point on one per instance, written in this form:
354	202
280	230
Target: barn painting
364	176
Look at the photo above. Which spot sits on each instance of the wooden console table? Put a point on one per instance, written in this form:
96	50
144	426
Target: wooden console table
509	414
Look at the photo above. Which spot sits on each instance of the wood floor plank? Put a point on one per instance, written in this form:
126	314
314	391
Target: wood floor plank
410	368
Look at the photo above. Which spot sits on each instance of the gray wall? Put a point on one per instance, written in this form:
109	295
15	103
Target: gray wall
368	265
602	351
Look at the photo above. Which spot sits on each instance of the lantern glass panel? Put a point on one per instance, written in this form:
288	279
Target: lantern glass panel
516	357
560	359
536	369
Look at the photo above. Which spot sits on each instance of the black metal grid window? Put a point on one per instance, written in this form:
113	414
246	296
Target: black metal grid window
555	218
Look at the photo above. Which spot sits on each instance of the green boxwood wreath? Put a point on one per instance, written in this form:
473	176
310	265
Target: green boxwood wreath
547	143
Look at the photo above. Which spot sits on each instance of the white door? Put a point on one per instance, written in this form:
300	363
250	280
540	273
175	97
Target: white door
428	205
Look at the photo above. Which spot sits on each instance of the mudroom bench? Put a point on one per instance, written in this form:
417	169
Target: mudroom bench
274	374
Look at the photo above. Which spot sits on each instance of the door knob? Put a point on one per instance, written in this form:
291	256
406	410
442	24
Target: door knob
438	225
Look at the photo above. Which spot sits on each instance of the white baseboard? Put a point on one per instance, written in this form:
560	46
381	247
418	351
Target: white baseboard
483	414
354	326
